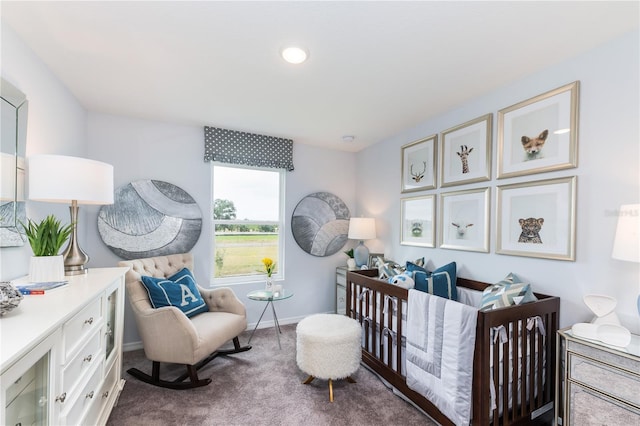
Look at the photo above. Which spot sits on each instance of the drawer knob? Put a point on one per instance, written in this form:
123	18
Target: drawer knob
89	395
43	401
88	358
61	398
106	394
89	321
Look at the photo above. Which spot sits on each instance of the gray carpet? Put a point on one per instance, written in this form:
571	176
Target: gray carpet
260	387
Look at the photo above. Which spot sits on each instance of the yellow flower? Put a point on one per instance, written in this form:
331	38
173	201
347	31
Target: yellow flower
269	265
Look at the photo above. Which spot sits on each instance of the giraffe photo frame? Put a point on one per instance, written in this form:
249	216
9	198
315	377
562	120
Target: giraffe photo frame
464	220
419	164
537	219
465	155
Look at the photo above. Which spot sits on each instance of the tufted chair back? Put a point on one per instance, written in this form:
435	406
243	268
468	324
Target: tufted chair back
159	267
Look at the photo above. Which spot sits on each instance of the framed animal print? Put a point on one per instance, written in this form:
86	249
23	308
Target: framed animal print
419	165
465	152
464	220
539	134
537	219
417	221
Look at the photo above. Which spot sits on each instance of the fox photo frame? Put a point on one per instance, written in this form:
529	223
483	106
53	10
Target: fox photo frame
464	220
418	221
537	219
539	134
419	164
465	152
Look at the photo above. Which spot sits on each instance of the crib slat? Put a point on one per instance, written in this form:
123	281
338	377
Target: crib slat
524	336
496	380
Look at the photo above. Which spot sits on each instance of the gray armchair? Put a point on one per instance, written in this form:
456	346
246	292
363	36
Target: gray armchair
169	336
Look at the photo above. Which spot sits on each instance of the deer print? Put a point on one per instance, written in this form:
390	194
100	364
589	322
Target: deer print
464	157
417	177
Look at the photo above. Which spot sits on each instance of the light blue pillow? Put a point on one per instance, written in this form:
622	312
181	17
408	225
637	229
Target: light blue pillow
508	292
441	282
179	290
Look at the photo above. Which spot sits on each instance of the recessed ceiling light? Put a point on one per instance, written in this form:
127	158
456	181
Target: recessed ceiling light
348	138
294	55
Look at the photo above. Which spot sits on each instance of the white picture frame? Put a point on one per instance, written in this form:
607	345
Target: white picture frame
464	220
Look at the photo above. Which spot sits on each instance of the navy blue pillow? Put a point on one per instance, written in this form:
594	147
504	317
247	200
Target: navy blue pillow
413	267
179	290
441	282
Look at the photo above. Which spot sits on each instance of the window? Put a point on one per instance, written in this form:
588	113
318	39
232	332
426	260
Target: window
248	223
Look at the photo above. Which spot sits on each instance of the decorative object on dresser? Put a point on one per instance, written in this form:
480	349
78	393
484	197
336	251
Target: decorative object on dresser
539	134
61	357
46	239
10	297
361	228
320	223
168	334
605	325
599	384
150	218
62	179
513	352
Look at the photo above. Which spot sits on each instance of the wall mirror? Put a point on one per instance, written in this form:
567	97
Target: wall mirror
13	144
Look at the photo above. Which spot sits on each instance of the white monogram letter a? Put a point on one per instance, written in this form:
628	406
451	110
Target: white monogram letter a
186	293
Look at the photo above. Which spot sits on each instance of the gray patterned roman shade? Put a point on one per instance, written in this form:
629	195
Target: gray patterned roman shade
249	149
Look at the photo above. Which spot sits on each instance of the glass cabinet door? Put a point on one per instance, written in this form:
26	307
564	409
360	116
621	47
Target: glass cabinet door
110	331
27	397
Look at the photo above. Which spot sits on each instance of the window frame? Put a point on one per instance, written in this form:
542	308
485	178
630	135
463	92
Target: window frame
257	278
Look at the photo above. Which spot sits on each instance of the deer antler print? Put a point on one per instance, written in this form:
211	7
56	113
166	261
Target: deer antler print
464	154
417	177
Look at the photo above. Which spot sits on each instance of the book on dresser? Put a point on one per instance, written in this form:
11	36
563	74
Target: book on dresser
35	288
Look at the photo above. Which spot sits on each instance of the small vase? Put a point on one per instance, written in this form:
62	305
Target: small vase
269	284
351	263
46	268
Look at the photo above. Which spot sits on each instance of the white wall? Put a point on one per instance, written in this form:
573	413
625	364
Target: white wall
608	176
56	125
141	149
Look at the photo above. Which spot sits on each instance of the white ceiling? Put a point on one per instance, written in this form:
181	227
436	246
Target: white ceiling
375	68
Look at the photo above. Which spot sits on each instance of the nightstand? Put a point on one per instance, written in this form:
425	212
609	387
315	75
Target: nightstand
597	384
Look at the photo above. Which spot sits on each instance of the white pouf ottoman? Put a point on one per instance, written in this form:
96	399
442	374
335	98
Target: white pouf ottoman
328	348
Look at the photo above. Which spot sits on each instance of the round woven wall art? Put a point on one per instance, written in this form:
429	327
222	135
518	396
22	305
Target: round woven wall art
150	218
320	224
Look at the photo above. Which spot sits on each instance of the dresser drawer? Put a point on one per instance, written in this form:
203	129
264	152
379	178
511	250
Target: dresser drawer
589	408
19	385
611	380
102	397
608	357
85	399
80	365
78	328
341	277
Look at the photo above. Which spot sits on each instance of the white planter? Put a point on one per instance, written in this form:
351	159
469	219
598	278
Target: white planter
46	268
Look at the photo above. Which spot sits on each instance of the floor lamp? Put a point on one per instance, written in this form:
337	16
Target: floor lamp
74	180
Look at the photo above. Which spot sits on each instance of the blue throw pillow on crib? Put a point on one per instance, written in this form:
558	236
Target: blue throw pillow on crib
414	266
508	292
179	290
441	282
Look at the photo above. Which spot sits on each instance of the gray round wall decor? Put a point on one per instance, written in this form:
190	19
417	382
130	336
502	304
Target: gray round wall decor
320	224
150	218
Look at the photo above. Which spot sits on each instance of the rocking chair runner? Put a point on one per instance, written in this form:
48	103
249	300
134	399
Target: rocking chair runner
169	336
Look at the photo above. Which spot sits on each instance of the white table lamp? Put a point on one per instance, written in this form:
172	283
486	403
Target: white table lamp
361	228
62	179
626	245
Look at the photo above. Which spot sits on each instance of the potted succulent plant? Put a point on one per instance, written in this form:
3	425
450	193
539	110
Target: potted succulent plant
351	262
46	239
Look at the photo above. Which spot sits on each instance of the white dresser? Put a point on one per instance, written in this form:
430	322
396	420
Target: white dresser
341	290
599	384
61	353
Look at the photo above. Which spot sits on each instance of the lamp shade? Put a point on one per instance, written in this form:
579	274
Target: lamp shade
626	245
362	228
62	179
